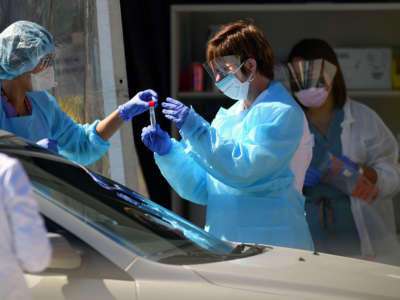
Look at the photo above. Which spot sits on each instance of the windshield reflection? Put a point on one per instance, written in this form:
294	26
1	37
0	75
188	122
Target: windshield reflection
157	214
146	228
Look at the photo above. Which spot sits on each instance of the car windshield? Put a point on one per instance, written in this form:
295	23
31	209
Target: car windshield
144	227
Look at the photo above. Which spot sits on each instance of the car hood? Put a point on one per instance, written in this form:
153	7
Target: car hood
304	274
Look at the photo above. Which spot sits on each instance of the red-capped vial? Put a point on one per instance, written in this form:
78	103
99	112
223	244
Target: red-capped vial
152	114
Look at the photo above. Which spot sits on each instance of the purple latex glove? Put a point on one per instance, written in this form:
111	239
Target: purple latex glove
313	177
137	104
157	140
49	144
175	111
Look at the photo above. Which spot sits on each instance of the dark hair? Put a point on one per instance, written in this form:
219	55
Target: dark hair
246	41
309	49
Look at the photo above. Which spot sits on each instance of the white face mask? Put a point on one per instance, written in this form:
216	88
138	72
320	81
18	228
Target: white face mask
43	80
233	87
313	97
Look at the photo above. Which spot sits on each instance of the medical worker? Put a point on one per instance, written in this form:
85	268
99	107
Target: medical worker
28	110
23	241
355	223
248	166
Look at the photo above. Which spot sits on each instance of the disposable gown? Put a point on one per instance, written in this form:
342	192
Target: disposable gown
23	44
240	168
23	241
80	143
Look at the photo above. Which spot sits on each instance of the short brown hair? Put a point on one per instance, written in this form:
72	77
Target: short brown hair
309	49
246	41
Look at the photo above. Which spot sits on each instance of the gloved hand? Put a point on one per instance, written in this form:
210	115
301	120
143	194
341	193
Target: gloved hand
345	175
137	104
313	177
157	140
175	111
366	190
49	144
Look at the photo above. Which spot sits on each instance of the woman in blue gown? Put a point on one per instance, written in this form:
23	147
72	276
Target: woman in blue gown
248	165
29	111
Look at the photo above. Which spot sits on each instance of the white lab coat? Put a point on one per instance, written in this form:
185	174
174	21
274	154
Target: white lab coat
23	240
367	141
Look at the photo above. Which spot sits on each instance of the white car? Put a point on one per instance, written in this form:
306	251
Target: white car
111	243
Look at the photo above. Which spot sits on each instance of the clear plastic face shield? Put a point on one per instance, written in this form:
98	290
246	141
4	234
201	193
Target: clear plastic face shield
307	74
311	80
222	66
222	70
43	75
46	62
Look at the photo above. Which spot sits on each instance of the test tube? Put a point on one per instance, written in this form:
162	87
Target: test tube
152	114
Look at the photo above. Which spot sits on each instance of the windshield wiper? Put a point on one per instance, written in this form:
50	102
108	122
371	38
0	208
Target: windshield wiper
249	249
199	255
156	223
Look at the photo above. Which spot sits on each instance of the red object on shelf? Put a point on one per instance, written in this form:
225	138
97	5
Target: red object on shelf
193	80
196	75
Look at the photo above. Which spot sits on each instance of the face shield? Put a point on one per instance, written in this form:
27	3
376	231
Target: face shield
46	62
308	74
311	80
43	75
222	66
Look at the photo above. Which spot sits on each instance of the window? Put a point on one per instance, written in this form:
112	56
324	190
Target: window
73	257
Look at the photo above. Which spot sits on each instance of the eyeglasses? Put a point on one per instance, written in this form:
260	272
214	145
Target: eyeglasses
222	66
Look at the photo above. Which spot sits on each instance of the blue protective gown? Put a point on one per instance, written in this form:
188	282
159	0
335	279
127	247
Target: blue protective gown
334	231
80	143
240	168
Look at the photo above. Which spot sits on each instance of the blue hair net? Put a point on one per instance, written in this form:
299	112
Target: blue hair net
22	45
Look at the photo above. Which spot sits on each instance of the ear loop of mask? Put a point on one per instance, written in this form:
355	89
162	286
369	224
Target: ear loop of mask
251	76
238	68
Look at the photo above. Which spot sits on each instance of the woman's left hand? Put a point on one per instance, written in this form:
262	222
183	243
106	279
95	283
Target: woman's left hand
175	111
138	104
370	173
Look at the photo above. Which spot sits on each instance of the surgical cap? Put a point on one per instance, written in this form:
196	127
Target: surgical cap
22	45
